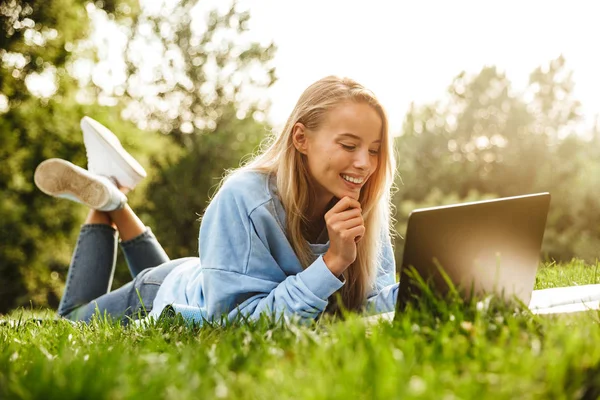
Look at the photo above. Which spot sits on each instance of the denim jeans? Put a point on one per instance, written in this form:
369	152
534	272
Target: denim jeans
91	273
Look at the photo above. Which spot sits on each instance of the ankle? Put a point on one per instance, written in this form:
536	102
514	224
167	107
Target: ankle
96	217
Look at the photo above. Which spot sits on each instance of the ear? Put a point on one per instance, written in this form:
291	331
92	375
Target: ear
299	137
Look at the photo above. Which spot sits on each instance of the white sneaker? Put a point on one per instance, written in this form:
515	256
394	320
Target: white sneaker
60	178
107	157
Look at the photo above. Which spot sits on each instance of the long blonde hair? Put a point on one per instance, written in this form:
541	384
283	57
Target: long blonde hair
289	166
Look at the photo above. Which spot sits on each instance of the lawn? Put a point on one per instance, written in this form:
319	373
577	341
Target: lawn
441	350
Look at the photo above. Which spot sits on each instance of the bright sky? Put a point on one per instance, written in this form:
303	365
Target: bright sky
407	51
410	51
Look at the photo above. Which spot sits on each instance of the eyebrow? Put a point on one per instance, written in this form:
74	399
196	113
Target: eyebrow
353	136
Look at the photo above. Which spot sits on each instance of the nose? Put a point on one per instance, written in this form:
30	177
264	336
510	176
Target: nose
361	161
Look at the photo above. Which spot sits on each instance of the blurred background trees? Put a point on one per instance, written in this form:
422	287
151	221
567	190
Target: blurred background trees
186	96
483	140
39	117
191	102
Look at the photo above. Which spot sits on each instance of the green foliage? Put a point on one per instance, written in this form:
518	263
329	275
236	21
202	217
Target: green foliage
199	111
209	65
205	99
180	191
483	140
466	351
37	233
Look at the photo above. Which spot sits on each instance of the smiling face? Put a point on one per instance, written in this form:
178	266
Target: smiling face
343	152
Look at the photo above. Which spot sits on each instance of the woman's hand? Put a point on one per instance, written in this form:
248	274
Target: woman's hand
345	226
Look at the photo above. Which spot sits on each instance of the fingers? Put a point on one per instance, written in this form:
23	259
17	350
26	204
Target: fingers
345	221
332	217
344	204
356	233
344	228
351	223
344	209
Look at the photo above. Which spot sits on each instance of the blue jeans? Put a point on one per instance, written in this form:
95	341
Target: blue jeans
91	273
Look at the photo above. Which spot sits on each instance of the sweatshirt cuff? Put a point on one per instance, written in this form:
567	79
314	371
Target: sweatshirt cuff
319	279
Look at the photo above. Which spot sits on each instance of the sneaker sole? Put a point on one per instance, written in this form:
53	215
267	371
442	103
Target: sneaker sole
129	165
57	177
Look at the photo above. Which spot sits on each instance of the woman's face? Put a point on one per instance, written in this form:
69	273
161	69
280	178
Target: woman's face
344	152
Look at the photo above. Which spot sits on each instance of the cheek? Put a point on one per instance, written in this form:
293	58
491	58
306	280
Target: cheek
374	166
328	164
339	161
325	163
320	167
375	163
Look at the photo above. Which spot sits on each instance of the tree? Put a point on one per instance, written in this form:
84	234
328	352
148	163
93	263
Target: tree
177	197
40	108
484	140
204	96
185	72
39	119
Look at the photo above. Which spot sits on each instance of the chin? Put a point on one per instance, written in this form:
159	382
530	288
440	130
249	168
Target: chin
346	193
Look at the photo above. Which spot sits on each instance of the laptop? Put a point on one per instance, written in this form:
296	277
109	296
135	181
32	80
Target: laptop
490	246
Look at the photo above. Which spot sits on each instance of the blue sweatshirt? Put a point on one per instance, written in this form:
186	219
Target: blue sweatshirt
247	265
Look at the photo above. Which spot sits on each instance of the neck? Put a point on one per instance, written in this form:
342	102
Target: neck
315	216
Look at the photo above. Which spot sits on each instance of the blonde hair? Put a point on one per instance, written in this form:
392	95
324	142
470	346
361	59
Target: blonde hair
289	166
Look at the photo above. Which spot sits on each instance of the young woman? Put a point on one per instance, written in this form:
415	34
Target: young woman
304	224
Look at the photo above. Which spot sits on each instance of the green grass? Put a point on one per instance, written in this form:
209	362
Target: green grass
443	350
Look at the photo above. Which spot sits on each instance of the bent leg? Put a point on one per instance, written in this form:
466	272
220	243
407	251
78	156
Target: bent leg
92	267
133	300
138	243
127	222
142	252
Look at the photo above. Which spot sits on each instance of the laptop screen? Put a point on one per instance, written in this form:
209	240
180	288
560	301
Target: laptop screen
490	246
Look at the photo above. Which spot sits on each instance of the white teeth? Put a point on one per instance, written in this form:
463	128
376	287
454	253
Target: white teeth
351	179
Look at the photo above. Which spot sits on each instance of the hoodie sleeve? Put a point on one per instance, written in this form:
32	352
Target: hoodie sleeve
240	276
303	295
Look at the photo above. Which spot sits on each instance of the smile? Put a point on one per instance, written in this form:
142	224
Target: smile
357	181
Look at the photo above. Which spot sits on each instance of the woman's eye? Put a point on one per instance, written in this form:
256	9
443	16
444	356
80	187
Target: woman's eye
348	147
374	152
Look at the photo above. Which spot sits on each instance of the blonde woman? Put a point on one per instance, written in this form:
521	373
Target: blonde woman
304	221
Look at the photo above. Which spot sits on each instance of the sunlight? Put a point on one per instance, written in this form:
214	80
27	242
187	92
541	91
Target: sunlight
3	103
42	85
402	51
